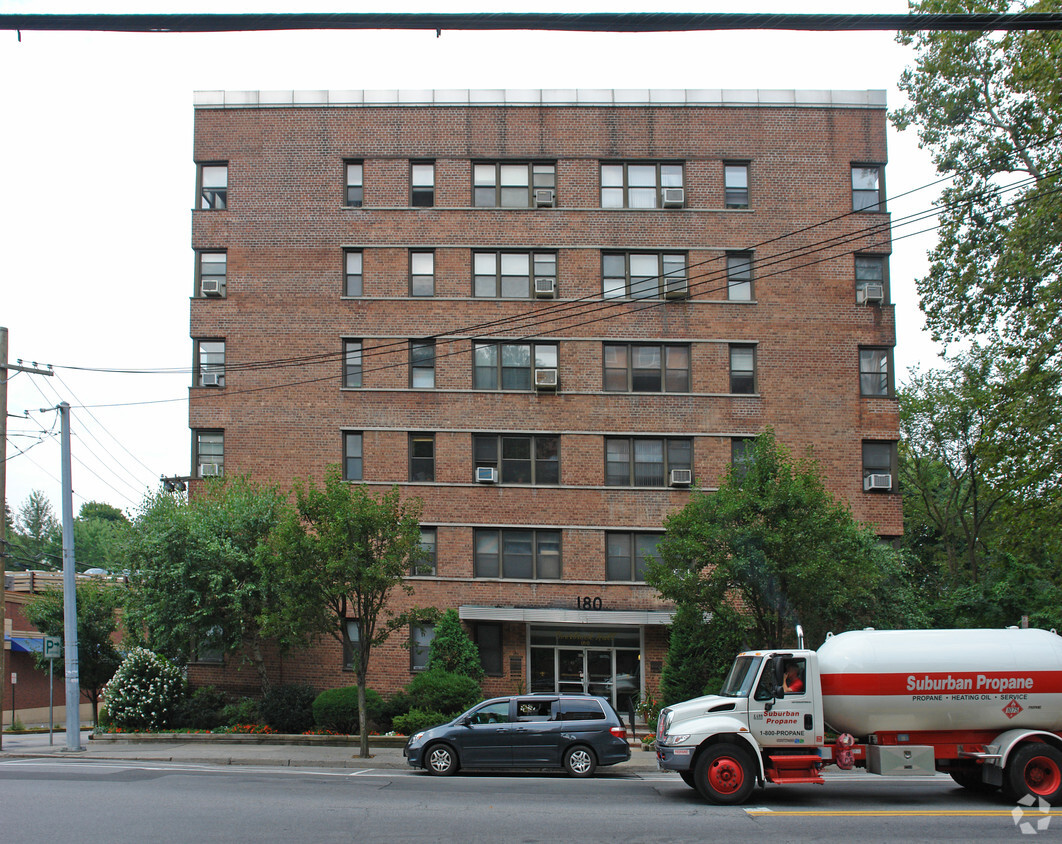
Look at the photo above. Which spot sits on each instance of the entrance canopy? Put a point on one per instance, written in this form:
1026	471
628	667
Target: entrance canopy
23	644
556	615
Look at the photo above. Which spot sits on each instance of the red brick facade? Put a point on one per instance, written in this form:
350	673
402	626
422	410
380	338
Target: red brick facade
284	232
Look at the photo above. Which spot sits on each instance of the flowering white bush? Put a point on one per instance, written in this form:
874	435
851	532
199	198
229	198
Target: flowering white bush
144	692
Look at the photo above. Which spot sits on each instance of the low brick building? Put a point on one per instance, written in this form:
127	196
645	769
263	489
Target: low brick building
546	314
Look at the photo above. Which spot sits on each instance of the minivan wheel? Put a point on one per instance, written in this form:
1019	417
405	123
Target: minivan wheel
440	760
579	761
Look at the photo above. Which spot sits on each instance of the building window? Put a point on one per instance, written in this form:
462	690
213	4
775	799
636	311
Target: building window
879	466
509	366
352	463
421	458
743	369
210	363
739	276
209	457
874	372
213	270
421	636
867	188
641	275
643	368
421	273
511	184
628	553
355	194
351	643
214	186
422	184
507	275
517	553
869	271
209	649
637	185
425	564
352	363
519	459
488	638
741	455
352	281
422	364
634	461
736	184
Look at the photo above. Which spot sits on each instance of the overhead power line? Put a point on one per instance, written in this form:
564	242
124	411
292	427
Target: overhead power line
559	22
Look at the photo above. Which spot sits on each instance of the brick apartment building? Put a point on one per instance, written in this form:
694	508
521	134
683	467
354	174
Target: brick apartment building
545	313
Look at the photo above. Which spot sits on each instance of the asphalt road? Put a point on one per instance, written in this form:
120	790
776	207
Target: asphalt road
71	799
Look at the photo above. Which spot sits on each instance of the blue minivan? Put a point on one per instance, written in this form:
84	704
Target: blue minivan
578	733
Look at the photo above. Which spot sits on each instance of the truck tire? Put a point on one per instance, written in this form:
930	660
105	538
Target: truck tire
687	777
971	781
1035	770
724	774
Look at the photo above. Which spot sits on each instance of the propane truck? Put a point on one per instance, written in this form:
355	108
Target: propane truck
984	706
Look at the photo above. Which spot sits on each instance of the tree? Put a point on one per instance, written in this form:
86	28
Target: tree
700	652
452	650
97	656
989	107
37	542
339	559
198	576
774	543
99	532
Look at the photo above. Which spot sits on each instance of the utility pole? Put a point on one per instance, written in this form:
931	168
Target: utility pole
5	370
73	680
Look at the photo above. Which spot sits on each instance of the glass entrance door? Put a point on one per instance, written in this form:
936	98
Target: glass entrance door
593	661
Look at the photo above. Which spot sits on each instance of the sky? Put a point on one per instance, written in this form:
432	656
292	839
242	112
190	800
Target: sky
96	265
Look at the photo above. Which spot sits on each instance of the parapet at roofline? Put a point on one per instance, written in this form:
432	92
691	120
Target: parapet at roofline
705	97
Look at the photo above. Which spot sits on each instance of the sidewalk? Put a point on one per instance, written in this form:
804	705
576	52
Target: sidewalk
204	749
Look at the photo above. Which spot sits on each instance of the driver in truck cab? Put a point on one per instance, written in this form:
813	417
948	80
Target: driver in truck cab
793	684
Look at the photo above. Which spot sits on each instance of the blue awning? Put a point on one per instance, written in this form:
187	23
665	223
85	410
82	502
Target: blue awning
21	644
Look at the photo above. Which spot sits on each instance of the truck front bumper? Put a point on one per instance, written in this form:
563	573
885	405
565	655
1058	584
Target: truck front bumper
678	758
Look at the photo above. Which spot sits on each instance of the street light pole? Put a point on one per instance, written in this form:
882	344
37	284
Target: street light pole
73	688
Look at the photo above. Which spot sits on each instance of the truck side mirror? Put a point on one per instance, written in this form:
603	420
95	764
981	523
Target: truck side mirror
778	667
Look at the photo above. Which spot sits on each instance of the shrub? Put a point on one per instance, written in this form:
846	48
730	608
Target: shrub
337	709
288	708
437	690
452	650
417	719
202	710
243	711
398	704
144	692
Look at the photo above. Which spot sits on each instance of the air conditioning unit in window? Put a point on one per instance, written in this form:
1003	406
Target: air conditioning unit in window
544	197
486	475
871	294
676	288
877	481
545	287
209	470
674	197
211	379
210	287
681	477
545	379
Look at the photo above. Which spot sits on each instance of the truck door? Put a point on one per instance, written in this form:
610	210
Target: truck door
789	720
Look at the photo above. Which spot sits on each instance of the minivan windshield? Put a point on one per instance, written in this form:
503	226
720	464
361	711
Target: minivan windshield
742	675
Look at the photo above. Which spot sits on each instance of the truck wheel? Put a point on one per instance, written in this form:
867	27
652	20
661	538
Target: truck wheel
1035	770
724	774
971	781
687	777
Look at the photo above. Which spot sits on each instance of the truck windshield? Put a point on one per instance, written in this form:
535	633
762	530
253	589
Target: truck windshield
742	675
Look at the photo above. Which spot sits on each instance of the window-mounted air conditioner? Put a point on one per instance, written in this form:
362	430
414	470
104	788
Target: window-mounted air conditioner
210	286
544	197
673	197
877	481
209	470
680	477
486	475
676	288
211	379
545	287
871	294
545	379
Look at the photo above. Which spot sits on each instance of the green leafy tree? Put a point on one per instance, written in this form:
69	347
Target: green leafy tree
97	656
773	542
340	558
988	106
452	650
700	652
38	538
198	579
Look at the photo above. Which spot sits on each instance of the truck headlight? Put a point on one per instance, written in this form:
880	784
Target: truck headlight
676	739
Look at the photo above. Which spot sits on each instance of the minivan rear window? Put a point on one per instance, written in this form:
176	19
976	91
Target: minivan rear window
580	710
